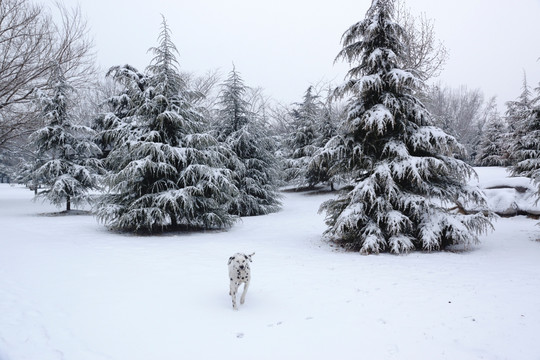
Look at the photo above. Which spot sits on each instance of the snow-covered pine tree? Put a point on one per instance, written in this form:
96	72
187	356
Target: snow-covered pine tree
115	122
68	164
493	148
300	143
167	172
517	113
254	166
26	170
326	129
403	175
526	149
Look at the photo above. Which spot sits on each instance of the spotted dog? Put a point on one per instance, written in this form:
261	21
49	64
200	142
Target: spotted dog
239	273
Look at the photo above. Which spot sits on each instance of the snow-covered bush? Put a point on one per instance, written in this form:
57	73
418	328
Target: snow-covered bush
511	196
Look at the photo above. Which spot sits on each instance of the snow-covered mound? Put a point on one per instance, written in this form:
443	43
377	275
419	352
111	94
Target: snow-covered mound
508	196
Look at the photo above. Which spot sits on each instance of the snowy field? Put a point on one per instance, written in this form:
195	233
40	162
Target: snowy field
70	289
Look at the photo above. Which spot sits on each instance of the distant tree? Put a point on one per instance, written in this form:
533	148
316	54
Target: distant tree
331	116
326	128
254	166
166	172
520	108
300	141
67	162
493	149
526	149
459	112
403	176
32	44
204	88
422	53
517	114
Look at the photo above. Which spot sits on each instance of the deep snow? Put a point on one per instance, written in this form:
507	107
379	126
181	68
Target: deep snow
70	289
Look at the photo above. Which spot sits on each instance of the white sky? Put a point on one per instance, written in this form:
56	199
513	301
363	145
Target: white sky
284	46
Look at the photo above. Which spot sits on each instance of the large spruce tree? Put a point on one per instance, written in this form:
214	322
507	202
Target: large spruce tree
166	171
406	186
254	166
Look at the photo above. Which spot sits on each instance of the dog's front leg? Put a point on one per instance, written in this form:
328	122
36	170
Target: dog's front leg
234	289
243	298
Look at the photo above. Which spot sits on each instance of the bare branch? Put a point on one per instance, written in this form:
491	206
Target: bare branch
423	53
31	44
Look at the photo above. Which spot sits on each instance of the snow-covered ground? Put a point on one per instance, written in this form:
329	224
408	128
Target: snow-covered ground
70	289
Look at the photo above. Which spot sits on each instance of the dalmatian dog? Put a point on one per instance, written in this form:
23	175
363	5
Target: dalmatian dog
239	273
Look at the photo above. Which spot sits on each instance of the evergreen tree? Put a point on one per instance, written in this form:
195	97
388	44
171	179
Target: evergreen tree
114	124
526	149
301	141
493	149
166	171
517	114
325	129
254	165
403	176
67	163
26	170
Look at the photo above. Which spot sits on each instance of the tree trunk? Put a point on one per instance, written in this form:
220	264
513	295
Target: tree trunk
68	204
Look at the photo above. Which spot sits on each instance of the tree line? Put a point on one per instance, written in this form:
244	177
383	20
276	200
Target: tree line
168	150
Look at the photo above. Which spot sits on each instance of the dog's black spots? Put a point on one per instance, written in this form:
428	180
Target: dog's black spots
231	279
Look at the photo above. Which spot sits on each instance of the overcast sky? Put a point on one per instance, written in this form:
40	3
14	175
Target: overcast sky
284	46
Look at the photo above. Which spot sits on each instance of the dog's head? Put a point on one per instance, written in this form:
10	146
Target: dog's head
240	261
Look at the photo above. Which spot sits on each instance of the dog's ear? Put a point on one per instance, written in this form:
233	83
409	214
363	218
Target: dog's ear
230	260
250	255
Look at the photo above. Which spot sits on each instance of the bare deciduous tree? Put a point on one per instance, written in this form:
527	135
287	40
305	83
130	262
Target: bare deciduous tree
460	112
423	52
202	89
31	45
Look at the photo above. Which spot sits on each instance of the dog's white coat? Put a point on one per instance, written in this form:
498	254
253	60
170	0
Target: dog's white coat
239	273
